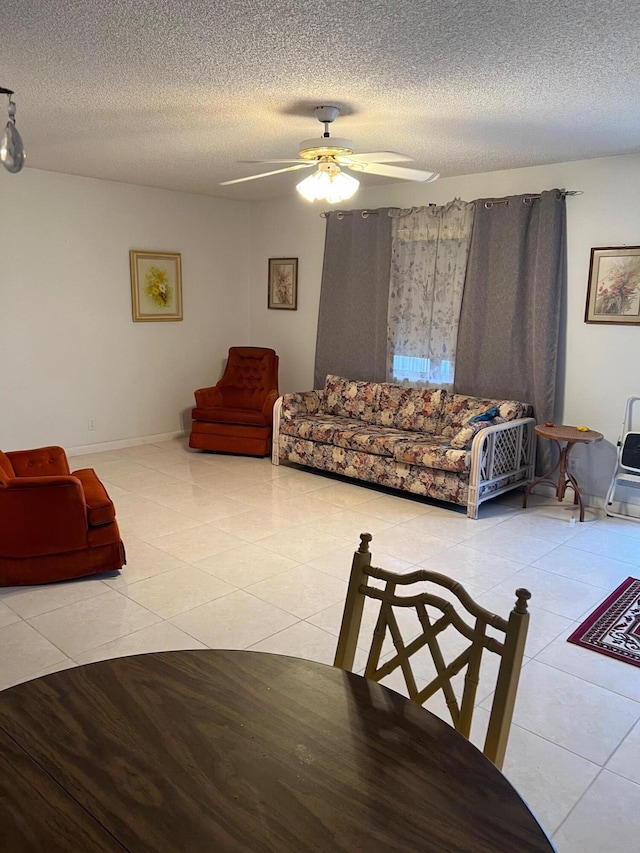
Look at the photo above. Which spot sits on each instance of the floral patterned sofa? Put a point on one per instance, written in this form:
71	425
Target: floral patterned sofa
430	442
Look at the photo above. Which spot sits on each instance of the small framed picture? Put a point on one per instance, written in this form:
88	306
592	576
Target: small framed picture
156	286
613	294
283	283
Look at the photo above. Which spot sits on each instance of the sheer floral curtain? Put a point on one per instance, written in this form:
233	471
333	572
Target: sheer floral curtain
430	246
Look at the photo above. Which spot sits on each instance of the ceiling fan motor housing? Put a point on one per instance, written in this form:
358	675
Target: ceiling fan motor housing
311	149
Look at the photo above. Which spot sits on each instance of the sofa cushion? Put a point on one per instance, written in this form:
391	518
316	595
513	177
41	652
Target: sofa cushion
463	439
378	441
433	451
351	399
459	409
323	428
412	409
345	432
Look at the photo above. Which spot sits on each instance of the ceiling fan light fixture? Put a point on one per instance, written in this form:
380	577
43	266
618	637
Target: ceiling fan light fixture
329	183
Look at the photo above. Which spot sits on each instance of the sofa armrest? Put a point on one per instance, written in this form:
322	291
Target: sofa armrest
42	515
290	406
40	462
303	403
502	456
208	398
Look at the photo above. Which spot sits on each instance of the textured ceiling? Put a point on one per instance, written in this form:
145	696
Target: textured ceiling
172	93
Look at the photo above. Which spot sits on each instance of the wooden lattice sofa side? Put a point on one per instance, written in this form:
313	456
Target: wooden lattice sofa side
501	457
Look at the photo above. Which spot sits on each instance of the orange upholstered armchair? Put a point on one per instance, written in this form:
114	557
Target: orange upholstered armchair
235	415
54	525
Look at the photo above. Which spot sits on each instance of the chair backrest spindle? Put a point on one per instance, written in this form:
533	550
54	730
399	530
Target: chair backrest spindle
348	640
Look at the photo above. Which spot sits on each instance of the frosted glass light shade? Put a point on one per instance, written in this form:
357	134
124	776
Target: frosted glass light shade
333	187
11	148
12	154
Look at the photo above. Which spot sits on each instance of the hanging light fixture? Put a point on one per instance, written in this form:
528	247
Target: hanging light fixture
12	154
329	183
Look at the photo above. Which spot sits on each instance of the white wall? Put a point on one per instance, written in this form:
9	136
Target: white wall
287	228
599	365
68	347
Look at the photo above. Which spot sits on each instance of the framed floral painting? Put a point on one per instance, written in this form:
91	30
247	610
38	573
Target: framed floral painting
613	294
283	283
156	286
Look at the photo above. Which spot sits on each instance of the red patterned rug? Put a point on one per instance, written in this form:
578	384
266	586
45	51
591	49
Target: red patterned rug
614	626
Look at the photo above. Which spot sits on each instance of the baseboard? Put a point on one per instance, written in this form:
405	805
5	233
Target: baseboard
596	501
123	442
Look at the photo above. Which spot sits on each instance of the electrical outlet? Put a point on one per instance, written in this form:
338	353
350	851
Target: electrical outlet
91	423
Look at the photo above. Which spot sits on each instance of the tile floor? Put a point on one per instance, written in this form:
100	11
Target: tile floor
235	553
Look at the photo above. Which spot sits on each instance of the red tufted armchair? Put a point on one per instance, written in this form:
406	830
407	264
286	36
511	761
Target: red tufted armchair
54	525
235	415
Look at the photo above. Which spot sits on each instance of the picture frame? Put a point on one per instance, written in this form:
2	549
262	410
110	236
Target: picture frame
156	286
283	284
613	292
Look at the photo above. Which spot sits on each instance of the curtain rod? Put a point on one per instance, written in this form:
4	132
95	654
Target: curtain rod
340	214
529	198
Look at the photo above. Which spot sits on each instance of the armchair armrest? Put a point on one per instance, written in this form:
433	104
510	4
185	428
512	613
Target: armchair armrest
207	398
47	481
100	508
269	402
40	462
42	515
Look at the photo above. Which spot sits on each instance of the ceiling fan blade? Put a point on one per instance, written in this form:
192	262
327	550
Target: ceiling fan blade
290	160
376	157
394	172
266	174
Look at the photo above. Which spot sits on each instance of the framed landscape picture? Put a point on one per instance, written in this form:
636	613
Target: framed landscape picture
613	294
156	286
283	283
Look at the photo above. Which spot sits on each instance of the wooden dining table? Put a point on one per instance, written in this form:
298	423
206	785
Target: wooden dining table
217	750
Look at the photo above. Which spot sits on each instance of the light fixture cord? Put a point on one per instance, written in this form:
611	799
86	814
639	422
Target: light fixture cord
12	104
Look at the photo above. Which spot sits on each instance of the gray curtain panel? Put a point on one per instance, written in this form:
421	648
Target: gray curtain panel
354	298
509	324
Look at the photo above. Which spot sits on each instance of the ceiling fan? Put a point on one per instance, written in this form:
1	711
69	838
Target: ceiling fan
328	154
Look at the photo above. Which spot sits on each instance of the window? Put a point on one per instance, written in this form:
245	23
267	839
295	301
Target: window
422	371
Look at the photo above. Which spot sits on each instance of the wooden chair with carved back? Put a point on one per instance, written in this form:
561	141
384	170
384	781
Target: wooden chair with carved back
435	614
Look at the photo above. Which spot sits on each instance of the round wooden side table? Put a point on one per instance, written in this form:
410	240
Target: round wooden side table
567	436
